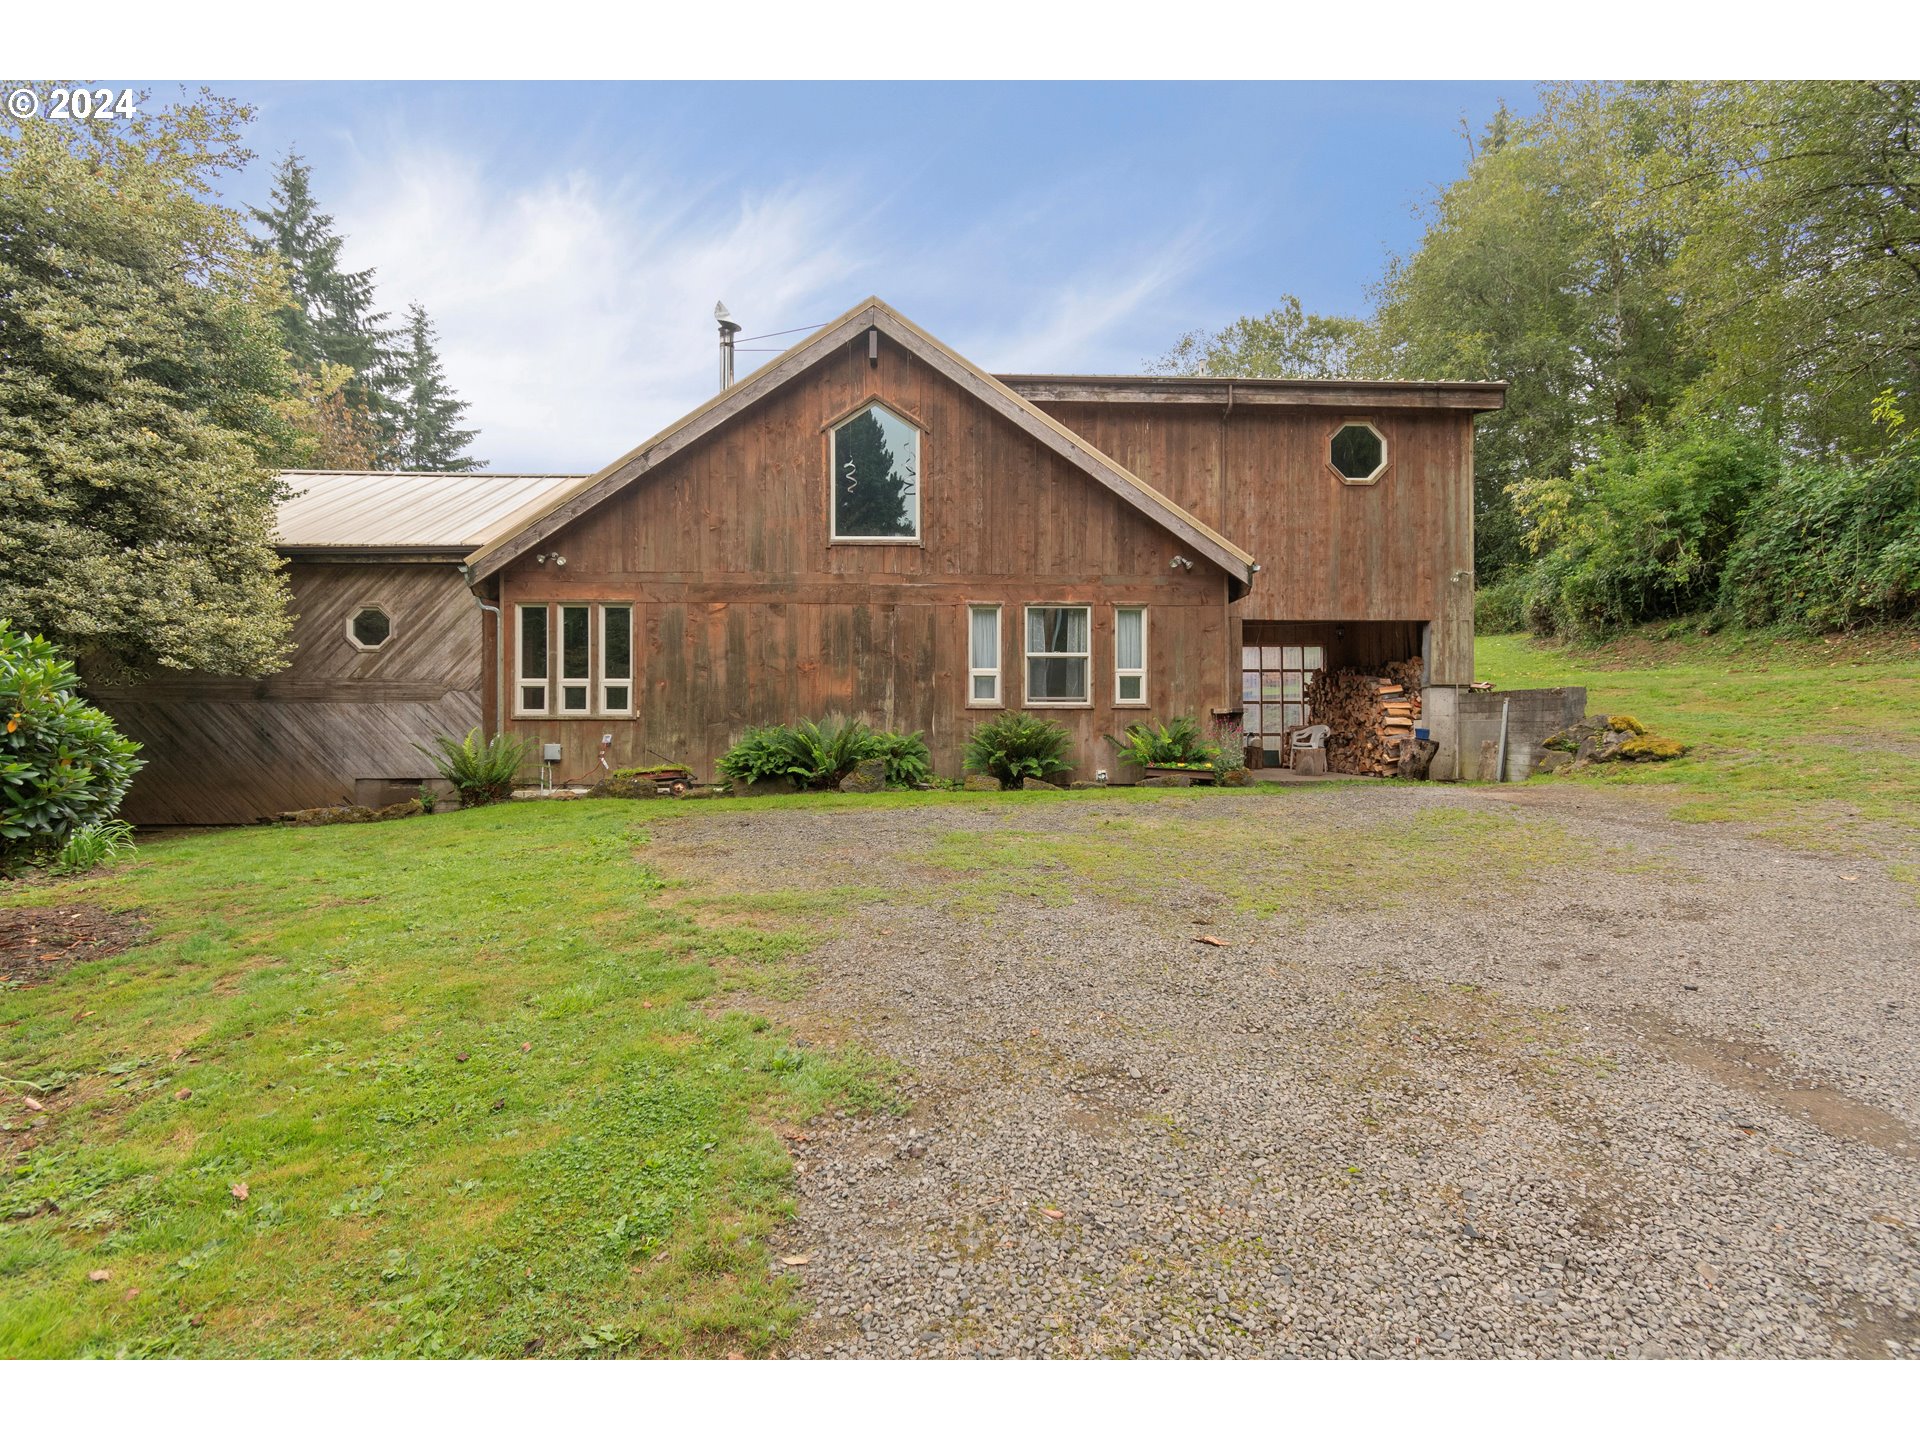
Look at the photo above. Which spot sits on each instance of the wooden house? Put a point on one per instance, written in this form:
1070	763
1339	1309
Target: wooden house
873	525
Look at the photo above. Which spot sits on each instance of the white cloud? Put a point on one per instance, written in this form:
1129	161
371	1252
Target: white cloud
576	317
575	311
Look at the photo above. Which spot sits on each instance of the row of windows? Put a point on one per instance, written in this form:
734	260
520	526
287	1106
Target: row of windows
876	471
561	670
1058	651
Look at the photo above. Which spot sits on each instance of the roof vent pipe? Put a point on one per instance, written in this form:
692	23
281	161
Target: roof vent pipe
728	329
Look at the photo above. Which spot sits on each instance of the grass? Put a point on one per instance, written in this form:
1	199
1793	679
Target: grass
1816	742
1329	861
472	1075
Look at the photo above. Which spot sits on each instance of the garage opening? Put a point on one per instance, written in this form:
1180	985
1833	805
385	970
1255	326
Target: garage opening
1279	657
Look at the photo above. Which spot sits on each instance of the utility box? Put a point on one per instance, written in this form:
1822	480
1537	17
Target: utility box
550	753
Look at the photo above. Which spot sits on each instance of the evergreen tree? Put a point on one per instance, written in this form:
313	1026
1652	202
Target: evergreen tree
331	319
871	487
145	399
426	413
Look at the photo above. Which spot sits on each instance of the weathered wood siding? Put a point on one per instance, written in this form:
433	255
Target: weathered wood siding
1399	549
226	751
747	614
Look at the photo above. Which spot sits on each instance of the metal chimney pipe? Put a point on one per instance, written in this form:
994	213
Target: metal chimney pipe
728	329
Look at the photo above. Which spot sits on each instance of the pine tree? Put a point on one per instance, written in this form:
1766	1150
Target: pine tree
871	486
332	320
427	434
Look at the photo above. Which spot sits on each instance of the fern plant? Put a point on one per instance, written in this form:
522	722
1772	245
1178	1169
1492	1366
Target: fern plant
764	752
909	762
1016	747
1179	742
481	771
829	748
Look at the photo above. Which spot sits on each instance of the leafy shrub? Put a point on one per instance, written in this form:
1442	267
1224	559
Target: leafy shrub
829	748
481	771
1016	747
1641	533
817	754
93	845
63	765
1500	608
909	762
1830	545
1230	738
1177	742
764	752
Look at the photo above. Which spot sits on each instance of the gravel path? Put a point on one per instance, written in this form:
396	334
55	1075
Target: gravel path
1658	1097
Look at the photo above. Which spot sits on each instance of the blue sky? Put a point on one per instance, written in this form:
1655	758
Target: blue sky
570	240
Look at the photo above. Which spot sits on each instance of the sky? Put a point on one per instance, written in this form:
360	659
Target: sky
570	240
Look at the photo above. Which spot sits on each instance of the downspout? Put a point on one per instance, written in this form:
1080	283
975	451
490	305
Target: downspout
499	637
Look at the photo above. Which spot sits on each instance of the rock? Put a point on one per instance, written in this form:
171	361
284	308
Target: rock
1627	723
1085	785
1550	761
1238	776
1418	760
773	785
981	782
1651	747
400	810
329	815
866	777
1032	784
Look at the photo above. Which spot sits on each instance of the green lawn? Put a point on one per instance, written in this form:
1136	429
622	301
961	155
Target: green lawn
1816	742
475	1073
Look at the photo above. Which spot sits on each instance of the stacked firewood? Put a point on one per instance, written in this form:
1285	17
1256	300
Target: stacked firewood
1369	718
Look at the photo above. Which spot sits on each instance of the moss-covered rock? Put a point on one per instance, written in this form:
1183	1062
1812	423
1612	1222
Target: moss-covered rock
1627	723
1651	747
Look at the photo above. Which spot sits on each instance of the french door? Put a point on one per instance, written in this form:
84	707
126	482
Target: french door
1273	697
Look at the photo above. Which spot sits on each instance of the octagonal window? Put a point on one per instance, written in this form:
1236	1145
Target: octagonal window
370	628
876	477
1358	453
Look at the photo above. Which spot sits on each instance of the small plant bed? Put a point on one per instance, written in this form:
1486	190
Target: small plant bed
645	784
827	754
38	942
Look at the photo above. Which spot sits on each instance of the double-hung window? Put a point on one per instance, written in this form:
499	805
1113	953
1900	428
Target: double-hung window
616	659
1059	649
576	659
1130	655
533	660
983	655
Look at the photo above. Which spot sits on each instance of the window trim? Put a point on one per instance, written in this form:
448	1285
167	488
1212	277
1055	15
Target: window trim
603	680
1141	670
393	629
1026	656
831	429
520	682
1386	451
975	670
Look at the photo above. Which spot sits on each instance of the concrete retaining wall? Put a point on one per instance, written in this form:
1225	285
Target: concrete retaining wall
1466	726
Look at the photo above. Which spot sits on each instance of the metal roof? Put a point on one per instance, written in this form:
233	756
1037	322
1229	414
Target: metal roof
389	510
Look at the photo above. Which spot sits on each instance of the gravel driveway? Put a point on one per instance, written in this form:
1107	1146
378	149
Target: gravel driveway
1552	1077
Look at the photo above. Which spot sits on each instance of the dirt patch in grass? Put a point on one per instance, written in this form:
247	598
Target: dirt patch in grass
37	942
1765	1074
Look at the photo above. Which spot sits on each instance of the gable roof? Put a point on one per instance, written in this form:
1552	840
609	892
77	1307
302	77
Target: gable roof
403	512
569	504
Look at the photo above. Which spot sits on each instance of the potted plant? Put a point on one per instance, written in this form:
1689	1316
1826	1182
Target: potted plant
1176	750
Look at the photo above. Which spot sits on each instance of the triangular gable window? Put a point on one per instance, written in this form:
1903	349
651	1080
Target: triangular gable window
876	476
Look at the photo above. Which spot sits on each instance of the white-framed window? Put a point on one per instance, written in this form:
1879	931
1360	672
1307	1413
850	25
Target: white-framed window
983	655
1130	655
530	684
576	659
616	659
875	483
1059	654
370	628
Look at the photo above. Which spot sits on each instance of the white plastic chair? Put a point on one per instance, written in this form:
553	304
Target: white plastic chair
1310	737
